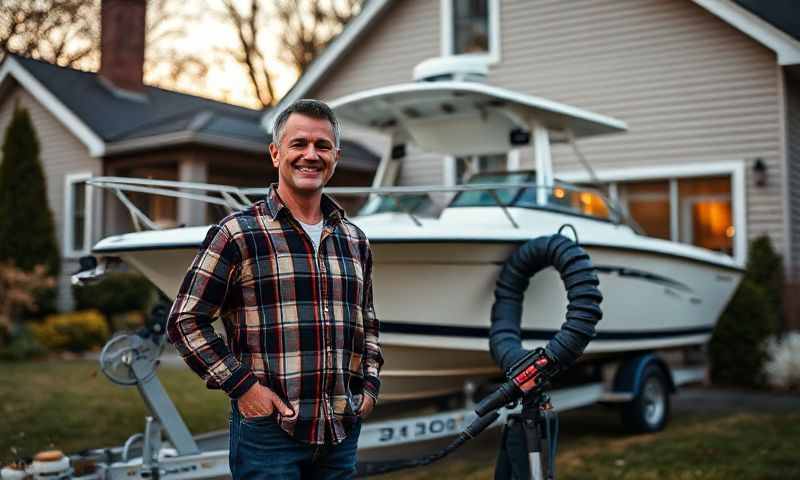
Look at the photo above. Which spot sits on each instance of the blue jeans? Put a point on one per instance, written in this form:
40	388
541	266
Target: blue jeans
261	450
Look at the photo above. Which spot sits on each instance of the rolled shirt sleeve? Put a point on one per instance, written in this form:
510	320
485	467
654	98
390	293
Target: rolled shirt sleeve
199	301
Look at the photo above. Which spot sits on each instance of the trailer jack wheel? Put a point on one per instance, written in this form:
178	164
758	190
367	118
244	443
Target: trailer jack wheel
649	410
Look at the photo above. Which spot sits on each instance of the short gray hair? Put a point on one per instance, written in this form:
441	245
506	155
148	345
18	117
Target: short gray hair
311	108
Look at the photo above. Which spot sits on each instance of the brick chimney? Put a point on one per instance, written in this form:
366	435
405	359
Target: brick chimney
122	30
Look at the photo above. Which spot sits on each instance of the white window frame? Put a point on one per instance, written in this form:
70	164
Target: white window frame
735	168
494	31
70	180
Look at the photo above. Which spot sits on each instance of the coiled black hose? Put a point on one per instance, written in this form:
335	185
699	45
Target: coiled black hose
583	311
505	339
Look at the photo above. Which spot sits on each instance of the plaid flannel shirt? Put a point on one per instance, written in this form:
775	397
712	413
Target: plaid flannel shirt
299	322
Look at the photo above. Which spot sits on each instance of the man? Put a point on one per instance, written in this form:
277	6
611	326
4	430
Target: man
291	278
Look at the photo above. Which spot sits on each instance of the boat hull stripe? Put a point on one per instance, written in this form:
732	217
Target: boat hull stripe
533	334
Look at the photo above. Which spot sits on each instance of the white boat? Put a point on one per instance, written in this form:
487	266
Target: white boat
434	277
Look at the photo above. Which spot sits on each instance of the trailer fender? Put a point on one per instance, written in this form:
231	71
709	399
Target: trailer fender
629	376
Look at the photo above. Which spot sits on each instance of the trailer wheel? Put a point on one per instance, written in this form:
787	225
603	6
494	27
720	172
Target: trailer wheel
649	410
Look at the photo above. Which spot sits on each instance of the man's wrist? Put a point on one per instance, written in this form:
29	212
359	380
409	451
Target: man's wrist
239	382
372	386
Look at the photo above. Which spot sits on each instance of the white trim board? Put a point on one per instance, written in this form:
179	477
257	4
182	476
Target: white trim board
735	168
88	214
786	47
70	121
446	29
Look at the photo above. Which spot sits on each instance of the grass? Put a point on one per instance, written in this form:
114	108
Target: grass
72	406
593	447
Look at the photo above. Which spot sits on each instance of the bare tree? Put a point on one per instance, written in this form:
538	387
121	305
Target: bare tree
67	33
308	26
246	25
63	32
302	27
165	65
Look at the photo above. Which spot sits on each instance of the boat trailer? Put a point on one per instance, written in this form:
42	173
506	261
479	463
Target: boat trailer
166	448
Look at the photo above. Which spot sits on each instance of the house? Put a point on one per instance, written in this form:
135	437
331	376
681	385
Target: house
709	89
111	123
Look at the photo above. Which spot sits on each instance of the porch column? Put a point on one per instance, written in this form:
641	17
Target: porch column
192	212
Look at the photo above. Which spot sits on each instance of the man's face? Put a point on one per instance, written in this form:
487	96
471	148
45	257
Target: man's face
306	156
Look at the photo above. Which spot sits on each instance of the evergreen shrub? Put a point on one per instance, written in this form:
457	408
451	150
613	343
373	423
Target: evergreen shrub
737	349
765	268
27	230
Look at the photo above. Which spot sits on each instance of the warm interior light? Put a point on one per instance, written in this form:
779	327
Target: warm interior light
730	231
586	198
559	193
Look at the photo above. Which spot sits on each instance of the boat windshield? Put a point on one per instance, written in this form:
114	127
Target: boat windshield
416	204
563	197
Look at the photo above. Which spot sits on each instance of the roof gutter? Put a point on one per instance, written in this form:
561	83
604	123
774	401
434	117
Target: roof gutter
182	138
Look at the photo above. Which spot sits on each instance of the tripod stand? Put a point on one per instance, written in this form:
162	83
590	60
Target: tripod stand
529	442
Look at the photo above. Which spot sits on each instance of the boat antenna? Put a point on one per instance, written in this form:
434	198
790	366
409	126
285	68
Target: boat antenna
592	175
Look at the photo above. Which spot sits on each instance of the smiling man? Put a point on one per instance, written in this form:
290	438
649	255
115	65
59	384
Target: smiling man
291	279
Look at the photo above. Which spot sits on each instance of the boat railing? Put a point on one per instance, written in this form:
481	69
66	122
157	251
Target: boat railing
236	198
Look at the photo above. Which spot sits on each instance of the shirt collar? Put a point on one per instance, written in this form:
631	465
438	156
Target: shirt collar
332	212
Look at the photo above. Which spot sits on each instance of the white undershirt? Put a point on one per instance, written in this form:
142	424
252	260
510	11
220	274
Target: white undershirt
314	232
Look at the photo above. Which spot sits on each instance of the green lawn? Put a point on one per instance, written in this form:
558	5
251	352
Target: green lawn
71	405
593	446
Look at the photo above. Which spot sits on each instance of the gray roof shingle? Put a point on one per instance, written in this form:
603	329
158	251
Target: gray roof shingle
116	117
781	14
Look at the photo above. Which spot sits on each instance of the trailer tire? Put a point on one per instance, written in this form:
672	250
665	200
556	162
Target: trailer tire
649	410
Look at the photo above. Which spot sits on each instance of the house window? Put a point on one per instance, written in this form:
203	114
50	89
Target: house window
471	27
706	216
696	210
77	215
648	204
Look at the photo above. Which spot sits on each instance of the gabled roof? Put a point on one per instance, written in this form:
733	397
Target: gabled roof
782	14
112	121
115	116
773	23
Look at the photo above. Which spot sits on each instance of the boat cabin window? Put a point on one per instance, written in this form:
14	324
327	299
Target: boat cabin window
566	198
470	27
487	198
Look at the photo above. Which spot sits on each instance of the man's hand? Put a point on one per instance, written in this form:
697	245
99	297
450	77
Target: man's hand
367	404
260	401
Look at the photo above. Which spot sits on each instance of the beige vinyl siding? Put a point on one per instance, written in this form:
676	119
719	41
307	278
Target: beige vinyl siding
691	88
61	153
408	33
793	141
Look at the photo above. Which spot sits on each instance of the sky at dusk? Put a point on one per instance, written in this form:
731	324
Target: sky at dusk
207	34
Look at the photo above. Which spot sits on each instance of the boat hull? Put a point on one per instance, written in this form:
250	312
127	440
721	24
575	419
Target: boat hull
434	300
